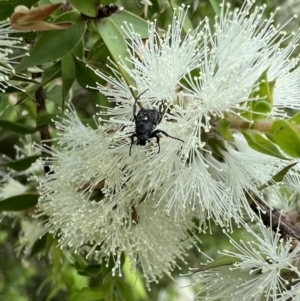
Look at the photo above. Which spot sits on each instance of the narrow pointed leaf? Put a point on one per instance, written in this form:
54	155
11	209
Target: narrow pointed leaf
91	293
52	45
115	42
22	164
17	127
262	144
139	25
19	202
87	7
222	261
68	73
286	137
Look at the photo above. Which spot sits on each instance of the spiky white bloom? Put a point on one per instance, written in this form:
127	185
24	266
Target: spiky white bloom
261	269
231	60
9	186
105	229
102	201
7	44
244	169
31	231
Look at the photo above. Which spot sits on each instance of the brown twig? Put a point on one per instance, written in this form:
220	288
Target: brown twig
43	129
275	219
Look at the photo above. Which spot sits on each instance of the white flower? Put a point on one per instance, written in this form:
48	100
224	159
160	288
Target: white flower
31	231
244	169
7	44
9	186
262	270
102	201
105	229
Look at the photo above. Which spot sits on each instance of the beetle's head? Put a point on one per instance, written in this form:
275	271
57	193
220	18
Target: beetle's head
142	139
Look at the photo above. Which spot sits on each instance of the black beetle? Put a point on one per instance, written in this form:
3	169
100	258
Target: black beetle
146	121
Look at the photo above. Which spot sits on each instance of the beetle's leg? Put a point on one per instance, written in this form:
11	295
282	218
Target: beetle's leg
161	116
156	132
132	141
157	140
135	103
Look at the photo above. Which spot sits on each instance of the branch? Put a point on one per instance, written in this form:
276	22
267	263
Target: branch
43	129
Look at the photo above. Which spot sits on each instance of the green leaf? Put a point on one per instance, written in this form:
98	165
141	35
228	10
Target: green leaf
22	164
90	270
79	50
139	25
98	54
286	137
52	45
39	245
216	6
222	261
17	127
265	88
91	293
19	202
262	144
224	129
296	118
8	6
262	96
87	7
51	73
68	72
278	177
45	118
261	109
115	42
57	254
85	76
124	290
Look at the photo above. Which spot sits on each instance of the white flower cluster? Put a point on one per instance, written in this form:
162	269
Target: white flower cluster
264	267
8	43
101	200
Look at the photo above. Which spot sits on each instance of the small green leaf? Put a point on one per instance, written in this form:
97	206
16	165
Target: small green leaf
216	6
87	7
224	129
90	270
261	109
262	144
138	24
51	73
52	45
91	293
19	202
286	137
98	54
45	118
278	177
22	164
222	261
68	73
115	42
17	127
39	245
85	76
265	88
79	50
124	290
296	118
57	254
